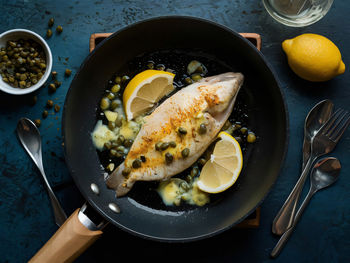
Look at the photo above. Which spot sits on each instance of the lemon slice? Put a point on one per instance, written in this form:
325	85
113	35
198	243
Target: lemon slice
225	164
145	90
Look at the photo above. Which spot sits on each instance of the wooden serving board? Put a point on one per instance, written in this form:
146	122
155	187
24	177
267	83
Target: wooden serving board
253	220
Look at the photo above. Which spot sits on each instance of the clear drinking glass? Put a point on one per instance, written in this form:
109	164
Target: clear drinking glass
297	13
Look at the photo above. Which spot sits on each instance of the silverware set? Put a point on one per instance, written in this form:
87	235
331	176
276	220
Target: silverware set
323	131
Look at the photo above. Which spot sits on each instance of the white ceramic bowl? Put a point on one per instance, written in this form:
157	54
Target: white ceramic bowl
16	34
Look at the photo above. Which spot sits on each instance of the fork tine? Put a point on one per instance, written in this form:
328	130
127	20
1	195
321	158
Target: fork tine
337	123
339	132
325	128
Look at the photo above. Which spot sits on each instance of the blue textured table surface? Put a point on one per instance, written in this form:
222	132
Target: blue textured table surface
26	220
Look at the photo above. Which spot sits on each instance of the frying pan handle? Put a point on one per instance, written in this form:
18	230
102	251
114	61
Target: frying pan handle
69	241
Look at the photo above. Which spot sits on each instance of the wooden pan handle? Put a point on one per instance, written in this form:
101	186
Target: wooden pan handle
69	241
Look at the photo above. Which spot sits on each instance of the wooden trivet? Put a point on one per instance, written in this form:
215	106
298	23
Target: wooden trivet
253	220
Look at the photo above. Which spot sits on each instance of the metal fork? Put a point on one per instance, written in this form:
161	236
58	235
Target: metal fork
324	142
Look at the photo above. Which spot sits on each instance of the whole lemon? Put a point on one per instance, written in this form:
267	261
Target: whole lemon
313	57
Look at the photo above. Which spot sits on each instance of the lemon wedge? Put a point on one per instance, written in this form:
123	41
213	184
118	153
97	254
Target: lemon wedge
225	164
145	90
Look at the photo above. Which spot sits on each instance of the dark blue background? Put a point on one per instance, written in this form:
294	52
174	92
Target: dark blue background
26	220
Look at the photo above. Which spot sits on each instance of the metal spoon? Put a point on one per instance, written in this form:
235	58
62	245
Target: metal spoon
30	138
316	117
324	173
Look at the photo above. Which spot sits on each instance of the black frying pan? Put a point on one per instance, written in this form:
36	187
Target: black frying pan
267	112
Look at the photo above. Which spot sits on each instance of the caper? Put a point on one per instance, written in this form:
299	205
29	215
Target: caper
177	201
51	22
119	121
57	108
196	77
58	83
188	81
67	72
5	79
164	146
136	163
184	186
37	122
202	161
59	29
188	178
54	74
194	171
243	130
115	104
158	146
169	158
104	104
45	114
110	167
111	125
143	158
125	78
128	143
238	139
120	139
108	145
115	88
120	148
110	96
49	33
251	137
22	83
172	144
181	130
202	129
185	152
150	65
126	171
52	87
226	125
118	80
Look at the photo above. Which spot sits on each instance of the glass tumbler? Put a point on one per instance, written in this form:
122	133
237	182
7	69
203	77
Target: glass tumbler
297	13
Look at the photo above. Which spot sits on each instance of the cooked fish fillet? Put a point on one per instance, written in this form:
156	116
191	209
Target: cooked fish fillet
208	102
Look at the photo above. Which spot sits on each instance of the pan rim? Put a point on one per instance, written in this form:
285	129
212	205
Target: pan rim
192	238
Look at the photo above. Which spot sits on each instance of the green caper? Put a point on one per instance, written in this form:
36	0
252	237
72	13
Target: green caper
164	146
57	108
115	104
104	104
51	22
110	96
126	171
185	152
251	137
22	83
111	125
243	130
59	29
188	178
128	143
160	67
158	146
67	72
188	81
238	139
45	114
226	125
194	171
150	65
125	78
115	143
169	158
143	158
120	139
108	145
181	130
49	33
121	149
58	83
172	144
136	163
54	74
118	80
184	186
52	87
196	77
202	129
37	122
119	121
115	88
202	161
